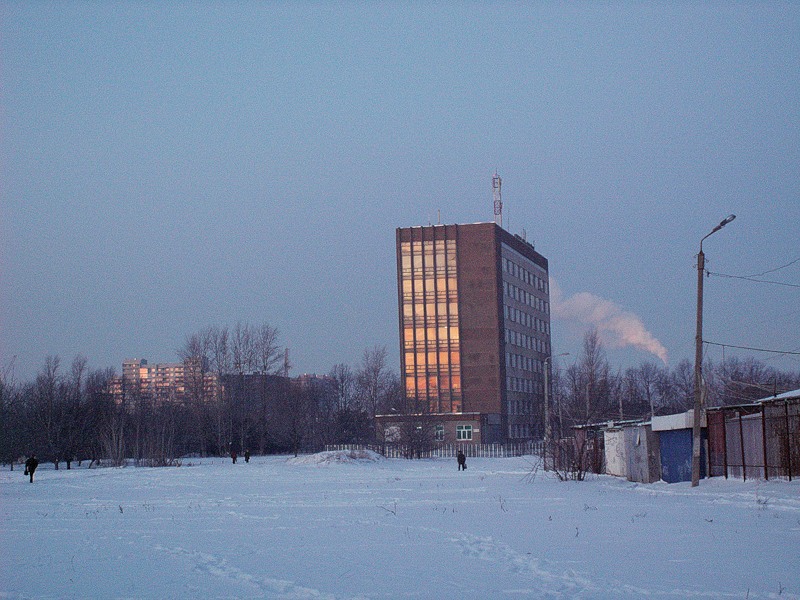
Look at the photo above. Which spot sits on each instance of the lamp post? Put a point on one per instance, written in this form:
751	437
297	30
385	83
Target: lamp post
548	430
698	357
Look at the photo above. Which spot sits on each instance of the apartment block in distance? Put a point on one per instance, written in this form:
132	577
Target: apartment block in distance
164	382
474	319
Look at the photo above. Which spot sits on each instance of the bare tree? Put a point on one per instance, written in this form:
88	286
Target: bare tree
72	415
415	430
99	419
596	371
351	421
10	419
293	416
682	377
268	355
196	354
243	348
48	409
222	362
648	376
268	360
372	380
343	384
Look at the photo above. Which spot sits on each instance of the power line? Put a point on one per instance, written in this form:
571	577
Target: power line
753	349
789	264
752	278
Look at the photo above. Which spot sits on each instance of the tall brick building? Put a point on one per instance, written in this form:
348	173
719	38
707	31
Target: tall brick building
474	319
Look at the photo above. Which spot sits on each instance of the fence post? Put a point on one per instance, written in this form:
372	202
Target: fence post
764	440
724	443
788	443
741	441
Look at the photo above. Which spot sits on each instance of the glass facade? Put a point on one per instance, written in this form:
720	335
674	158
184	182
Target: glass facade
474	326
430	330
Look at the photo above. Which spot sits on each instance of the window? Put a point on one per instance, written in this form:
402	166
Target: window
463	432
440	433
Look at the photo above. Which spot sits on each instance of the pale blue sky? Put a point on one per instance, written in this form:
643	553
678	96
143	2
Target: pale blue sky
168	166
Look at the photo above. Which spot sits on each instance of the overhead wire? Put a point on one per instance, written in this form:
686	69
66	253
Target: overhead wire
755	277
789	264
793	285
787	352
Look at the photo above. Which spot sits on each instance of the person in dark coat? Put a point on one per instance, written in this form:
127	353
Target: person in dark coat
247	456
233	456
462	461
30	465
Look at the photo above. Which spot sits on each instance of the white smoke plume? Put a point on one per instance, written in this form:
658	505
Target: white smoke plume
617	327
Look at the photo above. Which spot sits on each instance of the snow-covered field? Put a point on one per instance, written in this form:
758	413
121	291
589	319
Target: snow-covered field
326	526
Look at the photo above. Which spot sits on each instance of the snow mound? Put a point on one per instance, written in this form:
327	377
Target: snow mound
336	457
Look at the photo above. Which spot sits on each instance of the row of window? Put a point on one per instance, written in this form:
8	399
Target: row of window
430	256
430	337
520	407
430	286
520	272
430	310
463	432
516	338
432	383
525	363
519	431
444	358
524	296
519	384
515	315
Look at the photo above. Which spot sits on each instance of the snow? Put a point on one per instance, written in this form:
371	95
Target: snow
348	525
784	396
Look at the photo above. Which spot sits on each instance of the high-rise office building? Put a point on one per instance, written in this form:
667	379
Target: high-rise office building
474	315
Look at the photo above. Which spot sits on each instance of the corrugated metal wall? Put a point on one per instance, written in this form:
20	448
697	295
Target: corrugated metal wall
642	452
676	455
756	440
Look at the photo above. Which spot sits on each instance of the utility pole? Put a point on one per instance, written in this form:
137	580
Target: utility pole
698	358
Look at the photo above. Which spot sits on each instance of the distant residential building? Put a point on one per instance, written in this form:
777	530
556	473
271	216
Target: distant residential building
187	380
162	382
474	320
313	381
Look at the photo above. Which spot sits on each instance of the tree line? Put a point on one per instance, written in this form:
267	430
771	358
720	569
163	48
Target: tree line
82	414
75	413
590	391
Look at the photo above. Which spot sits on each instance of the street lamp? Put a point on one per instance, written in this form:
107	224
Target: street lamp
548	432
698	357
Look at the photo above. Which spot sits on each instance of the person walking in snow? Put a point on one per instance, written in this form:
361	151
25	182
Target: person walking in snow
247	456
30	465
233	456
462	461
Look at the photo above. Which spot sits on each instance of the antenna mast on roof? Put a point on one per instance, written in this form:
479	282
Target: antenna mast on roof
498	199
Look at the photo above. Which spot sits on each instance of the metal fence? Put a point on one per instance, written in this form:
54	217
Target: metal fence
756	440
448	450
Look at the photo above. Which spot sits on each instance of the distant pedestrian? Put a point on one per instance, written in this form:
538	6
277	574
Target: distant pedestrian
30	466
233	456
462	461
247	456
